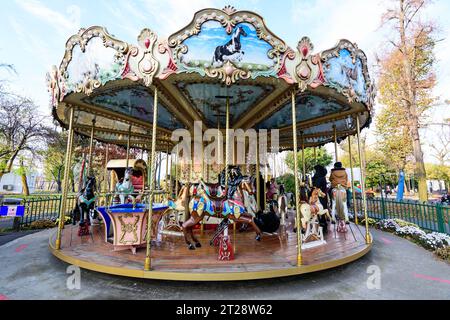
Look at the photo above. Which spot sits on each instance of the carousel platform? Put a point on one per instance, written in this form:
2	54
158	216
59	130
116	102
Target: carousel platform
274	256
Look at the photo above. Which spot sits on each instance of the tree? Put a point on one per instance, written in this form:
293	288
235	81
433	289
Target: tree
54	157
22	171
22	130
438	172
441	146
412	73
322	157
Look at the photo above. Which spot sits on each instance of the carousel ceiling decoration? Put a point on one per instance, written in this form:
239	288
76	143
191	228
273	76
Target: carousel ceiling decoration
221	52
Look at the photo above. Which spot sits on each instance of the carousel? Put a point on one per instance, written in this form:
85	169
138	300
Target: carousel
214	98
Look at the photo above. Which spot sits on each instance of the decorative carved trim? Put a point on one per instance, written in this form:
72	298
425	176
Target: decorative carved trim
82	39
53	85
228	73
171	67
147	65
309	70
355	54
229	18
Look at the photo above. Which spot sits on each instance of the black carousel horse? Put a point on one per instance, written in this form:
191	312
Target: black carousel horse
229	49
86	206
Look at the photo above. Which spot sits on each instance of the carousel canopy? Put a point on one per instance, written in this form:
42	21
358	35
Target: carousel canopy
220	53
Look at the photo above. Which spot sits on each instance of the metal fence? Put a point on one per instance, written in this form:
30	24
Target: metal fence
47	207
431	217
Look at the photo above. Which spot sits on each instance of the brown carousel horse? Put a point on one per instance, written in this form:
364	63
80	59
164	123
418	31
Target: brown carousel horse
215	200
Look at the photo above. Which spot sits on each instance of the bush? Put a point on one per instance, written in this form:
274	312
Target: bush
42	224
444	253
404	229
372	222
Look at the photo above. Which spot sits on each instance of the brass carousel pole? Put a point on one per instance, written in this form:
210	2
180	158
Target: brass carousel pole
227	139
128	146
170	173
176	173
91	147
147	264
258	182
335	143
106	169
202	179
352	180
297	191
363	180
167	172
66	180
303	158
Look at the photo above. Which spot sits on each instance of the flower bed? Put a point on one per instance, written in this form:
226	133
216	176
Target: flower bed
435	241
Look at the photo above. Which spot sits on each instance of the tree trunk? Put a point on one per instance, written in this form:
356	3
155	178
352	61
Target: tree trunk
58	181
25	189
23	177
411	108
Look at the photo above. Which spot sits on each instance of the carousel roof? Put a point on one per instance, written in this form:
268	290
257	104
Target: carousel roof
220	53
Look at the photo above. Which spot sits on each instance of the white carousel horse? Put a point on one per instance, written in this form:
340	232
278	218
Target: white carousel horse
314	201
125	189
312	234
283	205
339	209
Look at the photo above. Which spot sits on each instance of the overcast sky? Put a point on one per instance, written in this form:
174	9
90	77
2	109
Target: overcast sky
34	32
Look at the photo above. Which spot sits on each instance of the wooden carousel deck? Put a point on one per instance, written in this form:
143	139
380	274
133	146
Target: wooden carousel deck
274	256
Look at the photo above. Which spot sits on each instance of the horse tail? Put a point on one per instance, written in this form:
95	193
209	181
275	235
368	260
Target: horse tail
340	205
283	203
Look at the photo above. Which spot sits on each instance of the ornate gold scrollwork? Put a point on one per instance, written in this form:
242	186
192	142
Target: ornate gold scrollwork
128	228
147	63
309	70
53	84
228	73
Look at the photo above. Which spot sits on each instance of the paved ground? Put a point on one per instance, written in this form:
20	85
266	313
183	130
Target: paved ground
29	271
10	236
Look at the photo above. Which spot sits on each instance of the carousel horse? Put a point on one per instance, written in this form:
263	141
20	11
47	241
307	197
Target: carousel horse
309	209
231	50
283	205
339	209
277	200
316	205
225	203
125	189
86	205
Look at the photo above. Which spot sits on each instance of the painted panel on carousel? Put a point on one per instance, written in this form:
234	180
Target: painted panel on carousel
228	45
308	107
345	74
136	102
92	58
203	97
212	47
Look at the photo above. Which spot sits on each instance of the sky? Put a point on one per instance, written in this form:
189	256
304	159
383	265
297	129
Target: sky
34	32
